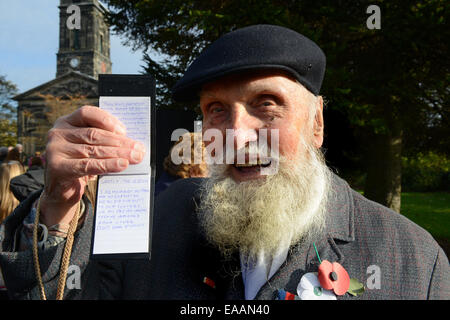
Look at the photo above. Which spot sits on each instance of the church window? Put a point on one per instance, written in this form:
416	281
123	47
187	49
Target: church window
76	39
101	44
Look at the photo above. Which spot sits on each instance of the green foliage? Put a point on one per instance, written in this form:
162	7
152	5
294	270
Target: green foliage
8	132
7	105
375	77
8	113
426	172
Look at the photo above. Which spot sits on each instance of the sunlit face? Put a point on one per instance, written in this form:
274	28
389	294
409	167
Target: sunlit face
269	100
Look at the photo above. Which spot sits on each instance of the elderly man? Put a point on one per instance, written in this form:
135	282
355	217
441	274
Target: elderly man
298	233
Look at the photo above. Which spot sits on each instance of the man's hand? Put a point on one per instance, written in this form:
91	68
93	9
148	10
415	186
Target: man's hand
86	143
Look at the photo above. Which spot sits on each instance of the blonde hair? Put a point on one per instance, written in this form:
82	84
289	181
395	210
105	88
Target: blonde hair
183	170
8	201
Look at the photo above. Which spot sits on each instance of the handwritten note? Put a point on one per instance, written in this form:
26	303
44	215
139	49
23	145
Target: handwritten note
122	216
122	221
134	112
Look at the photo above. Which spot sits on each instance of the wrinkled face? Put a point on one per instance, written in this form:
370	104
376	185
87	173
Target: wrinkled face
263	100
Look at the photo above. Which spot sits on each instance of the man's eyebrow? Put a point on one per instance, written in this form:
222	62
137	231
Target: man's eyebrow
206	93
258	88
265	88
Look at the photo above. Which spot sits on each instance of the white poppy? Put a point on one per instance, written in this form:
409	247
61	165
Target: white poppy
309	289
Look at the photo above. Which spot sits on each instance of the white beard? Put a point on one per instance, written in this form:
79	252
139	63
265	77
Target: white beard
268	215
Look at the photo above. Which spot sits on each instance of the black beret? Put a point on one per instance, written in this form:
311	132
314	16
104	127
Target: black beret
252	48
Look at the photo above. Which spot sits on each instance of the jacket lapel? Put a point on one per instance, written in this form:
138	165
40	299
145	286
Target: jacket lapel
219	278
302	258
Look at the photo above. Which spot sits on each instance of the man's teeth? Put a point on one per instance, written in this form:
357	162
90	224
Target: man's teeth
245	165
259	163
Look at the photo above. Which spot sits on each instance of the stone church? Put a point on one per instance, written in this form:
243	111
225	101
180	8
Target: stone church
84	53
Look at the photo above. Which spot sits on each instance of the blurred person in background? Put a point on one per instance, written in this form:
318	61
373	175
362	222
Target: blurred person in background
3	153
14	156
39	155
22	156
23	185
7	199
173	172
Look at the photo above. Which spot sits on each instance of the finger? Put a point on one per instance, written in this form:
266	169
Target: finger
88	167
93	136
90	116
79	151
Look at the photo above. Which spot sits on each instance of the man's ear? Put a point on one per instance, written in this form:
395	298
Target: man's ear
318	125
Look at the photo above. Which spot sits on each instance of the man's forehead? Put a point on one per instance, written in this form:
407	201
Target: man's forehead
257	81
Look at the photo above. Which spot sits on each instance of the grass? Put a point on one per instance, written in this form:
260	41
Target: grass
430	210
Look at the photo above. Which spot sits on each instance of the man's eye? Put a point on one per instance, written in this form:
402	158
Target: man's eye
216	109
267	103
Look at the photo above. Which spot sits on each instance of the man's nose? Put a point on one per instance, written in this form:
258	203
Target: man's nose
243	127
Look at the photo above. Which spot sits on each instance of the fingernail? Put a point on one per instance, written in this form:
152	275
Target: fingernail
136	155
120	129
123	163
139	147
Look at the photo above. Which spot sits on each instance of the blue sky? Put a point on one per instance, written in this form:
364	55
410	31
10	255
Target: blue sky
29	31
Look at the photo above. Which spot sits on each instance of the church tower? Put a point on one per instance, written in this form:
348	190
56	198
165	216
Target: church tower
84	44
83	54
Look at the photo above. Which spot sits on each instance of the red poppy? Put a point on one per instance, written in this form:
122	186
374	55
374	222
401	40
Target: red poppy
333	276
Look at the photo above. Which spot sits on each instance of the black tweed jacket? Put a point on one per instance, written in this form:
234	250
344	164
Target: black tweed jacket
363	236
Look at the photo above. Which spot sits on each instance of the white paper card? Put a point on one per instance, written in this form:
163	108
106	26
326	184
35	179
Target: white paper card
122	221
122	215
134	113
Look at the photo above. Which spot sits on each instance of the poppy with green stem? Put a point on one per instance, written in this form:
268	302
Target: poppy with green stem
333	276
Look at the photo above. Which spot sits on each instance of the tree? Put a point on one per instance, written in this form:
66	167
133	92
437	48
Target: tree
388	82
58	106
8	113
54	107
